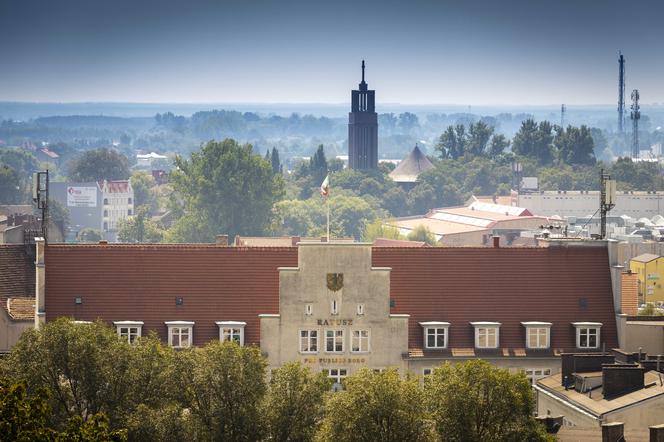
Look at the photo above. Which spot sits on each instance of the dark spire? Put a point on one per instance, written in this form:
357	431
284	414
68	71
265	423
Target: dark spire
362	71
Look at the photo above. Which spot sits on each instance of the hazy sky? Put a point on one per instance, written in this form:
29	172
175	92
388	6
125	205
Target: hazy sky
417	52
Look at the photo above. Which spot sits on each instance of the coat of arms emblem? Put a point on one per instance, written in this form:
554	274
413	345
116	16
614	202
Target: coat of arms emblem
335	281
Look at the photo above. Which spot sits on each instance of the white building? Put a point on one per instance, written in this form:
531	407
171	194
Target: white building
117	203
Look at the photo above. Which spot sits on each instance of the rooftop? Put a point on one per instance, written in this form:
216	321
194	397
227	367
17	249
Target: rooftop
645	257
411	167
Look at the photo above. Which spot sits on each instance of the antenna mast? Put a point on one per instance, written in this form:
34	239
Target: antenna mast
607	199
563	108
621	93
635	115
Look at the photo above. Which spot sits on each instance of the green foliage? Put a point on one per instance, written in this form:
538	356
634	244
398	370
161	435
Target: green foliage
422	233
650	310
23	162
226	188
477	401
318	165
97	165
143	184
58	215
378	229
575	145
89	235
140	228
276	163
11	189
293	407
224	393
636	176
377	407
534	141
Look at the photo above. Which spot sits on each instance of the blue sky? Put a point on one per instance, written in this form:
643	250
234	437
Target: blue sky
468	52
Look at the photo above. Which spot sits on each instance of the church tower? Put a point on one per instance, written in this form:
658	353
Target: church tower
363	128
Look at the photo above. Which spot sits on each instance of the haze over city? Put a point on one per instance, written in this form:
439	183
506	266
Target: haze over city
418	52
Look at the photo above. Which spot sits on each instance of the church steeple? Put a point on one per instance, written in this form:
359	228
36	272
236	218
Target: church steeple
363	127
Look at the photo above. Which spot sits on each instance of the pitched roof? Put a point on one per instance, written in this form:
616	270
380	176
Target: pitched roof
457	285
17	279
21	309
411	167
645	257
116	186
384	242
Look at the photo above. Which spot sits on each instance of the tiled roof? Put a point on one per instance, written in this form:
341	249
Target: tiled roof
21	309
384	242
17	278
411	167
458	285
118	186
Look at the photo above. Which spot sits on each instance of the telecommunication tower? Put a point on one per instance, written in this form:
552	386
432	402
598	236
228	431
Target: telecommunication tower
635	115
607	199
621	93
563	108
40	198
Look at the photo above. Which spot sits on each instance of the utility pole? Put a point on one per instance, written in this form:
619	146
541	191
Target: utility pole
40	198
607	199
621	93
635	115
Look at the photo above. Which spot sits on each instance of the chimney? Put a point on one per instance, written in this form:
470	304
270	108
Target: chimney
621	379
629	293
103	242
222	240
613	432
295	240
657	433
496	242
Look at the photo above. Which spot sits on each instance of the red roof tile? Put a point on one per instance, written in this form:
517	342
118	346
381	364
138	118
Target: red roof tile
458	285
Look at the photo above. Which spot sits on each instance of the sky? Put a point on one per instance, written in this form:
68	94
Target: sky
464	52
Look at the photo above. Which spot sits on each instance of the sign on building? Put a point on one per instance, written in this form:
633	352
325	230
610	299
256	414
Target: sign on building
81	196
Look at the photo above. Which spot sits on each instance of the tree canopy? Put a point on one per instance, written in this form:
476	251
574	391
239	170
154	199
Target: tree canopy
97	165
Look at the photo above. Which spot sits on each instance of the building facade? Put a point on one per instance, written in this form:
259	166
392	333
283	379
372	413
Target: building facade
363	128
650	271
338	307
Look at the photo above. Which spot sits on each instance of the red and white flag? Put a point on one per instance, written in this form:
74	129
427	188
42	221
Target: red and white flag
325	187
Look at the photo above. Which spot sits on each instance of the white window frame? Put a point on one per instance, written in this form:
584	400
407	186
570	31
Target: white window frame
483	325
334	338
535	374
435	325
308	339
338	377
227	329
138	325
536	326
360	339
587	326
180	325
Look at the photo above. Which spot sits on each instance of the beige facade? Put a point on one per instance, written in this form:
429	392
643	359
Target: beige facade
334	313
10	330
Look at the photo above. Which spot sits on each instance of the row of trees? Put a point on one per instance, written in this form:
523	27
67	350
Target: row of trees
71	376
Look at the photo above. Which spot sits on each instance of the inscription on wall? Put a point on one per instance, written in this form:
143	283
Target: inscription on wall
334	322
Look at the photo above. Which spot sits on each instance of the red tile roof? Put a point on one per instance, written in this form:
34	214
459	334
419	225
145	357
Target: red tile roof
458	285
118	186
17	275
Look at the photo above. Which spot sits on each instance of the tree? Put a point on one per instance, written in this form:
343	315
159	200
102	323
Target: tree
10	186
58	215
293	407
478	137
575	145
477	401
89	235
97	165
377	406
498	145
140	228
276	163
23	162
143	184
408	122
318	165
226	188
225	392
534	141
422	233
378	229
451	143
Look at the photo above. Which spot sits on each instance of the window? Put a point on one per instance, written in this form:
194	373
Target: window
128	200
360	309
334	341
533	374
338	374
308	309
359	341
587	334
334	309
231	331
180	333
537	334
106	213
129	330
435	334
106	201
427	371
129	212
308	341
486	334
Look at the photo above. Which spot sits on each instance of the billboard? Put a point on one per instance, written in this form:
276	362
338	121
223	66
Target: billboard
81	196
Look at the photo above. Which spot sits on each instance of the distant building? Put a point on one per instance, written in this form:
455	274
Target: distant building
473	225
650	271
363	128
407	172
95	205
145	161
584	203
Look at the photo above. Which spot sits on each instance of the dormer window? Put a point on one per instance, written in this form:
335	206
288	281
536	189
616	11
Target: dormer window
537	334
435	334
232	331
487	334
587	334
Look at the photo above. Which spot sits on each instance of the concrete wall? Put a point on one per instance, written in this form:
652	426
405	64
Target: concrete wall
643	415
11	330
514	365
579	204
548	406
645	335
651	279
362	284
465	239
